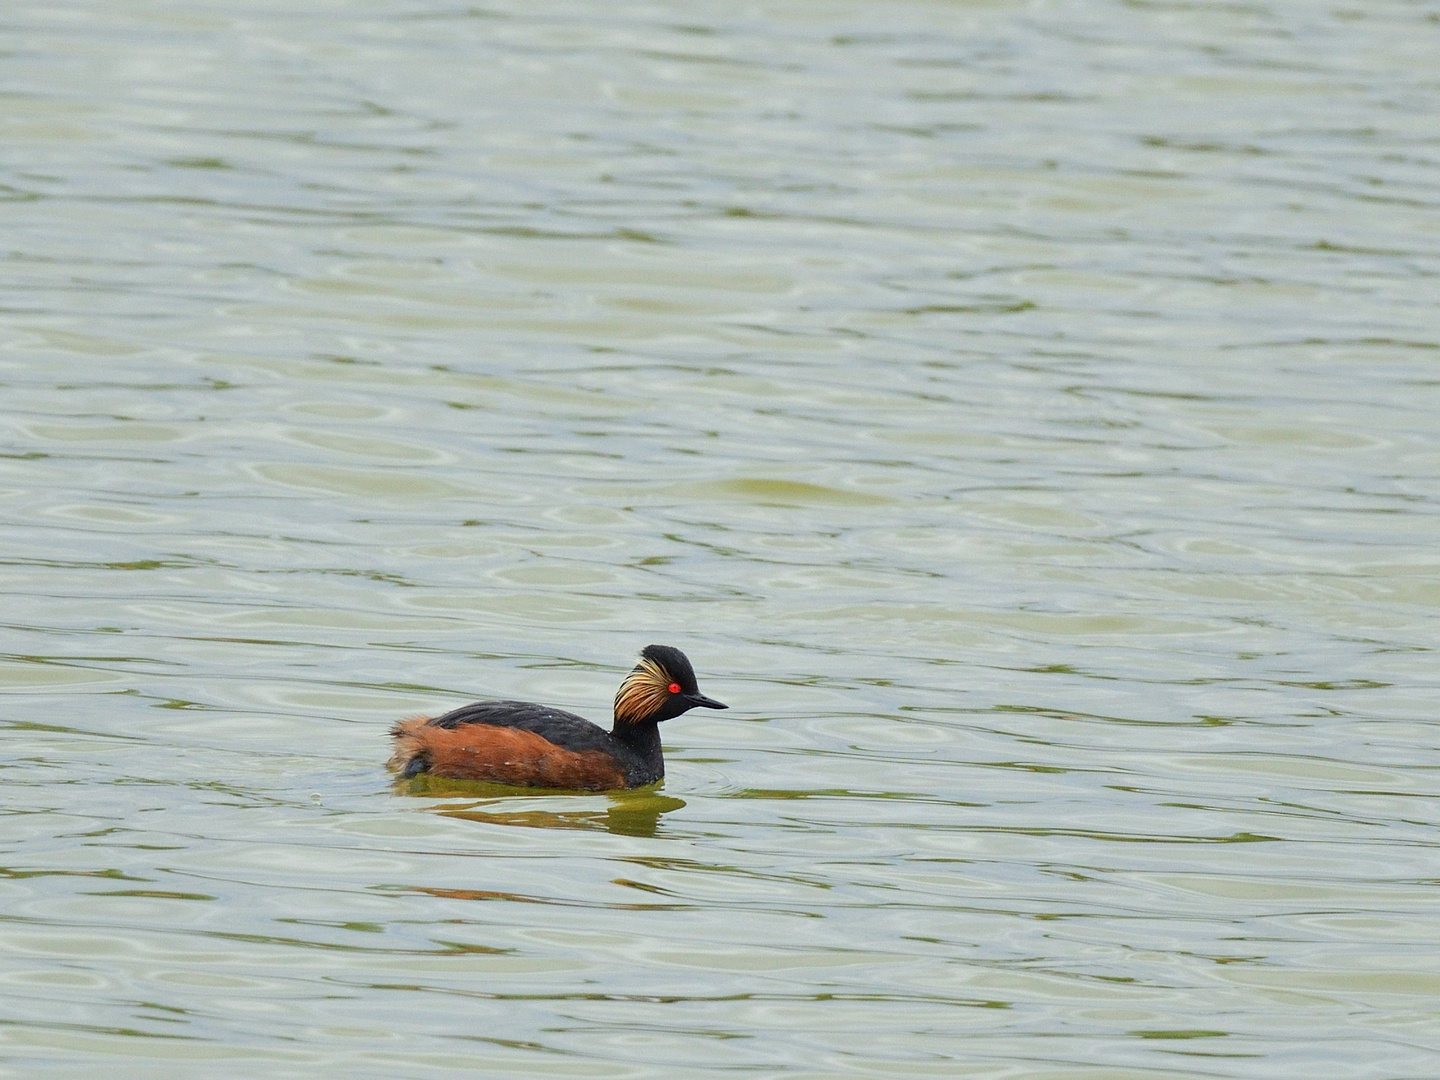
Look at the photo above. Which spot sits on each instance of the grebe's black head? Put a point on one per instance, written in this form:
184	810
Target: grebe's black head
662	685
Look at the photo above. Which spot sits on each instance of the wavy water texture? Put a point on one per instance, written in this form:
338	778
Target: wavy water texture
1023	414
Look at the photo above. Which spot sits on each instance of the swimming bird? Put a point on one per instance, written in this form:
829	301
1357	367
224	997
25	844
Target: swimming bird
516	742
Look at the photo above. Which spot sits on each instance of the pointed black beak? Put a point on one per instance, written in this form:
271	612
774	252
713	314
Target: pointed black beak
698	698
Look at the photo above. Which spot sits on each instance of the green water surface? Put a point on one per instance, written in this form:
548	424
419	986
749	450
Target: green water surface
1026	415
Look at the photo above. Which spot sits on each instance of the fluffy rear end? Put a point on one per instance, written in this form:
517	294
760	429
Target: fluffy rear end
409	757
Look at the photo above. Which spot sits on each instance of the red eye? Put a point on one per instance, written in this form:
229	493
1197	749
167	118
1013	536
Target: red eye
674	688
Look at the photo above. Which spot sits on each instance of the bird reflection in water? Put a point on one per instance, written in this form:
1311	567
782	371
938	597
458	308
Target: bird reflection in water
630	813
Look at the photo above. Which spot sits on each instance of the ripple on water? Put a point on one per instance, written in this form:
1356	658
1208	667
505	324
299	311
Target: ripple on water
1060	536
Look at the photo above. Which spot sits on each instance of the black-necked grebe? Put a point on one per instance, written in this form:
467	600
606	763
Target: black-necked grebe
515	742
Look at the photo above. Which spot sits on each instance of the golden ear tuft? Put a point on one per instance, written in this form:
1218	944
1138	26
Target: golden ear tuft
643	693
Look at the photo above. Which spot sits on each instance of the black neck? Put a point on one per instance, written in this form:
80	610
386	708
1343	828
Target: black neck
644	740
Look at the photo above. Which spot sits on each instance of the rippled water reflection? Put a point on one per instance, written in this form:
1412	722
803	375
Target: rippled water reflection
1023	414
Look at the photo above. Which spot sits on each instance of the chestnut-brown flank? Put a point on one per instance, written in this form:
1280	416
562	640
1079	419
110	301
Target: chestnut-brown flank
502	755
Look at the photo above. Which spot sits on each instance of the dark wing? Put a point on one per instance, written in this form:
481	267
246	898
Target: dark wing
560	727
